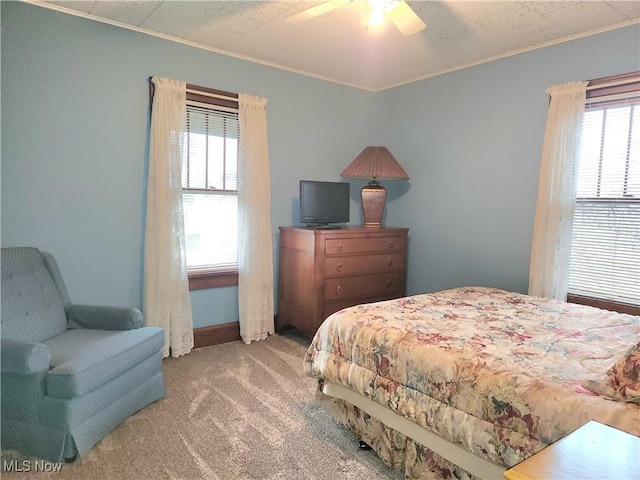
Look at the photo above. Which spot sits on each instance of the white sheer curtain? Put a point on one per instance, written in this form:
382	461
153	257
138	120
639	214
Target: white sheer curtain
557	191
255	253
167	302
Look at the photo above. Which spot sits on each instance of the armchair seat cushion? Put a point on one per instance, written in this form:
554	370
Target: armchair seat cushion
83	359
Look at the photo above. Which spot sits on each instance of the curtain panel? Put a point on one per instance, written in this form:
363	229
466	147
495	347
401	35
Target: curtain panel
167	303
556	200
255	246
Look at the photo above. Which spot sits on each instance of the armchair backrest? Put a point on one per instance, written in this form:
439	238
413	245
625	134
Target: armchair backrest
34	297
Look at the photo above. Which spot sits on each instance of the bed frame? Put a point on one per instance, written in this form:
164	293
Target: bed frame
470	462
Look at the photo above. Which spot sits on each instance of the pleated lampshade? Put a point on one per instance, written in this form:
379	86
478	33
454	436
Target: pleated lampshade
375	163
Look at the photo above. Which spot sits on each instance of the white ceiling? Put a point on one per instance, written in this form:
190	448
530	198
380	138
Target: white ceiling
337	45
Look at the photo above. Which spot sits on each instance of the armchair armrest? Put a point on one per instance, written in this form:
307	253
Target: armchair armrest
24	358
104	318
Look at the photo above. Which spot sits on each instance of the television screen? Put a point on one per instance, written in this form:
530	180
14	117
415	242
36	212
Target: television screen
323	203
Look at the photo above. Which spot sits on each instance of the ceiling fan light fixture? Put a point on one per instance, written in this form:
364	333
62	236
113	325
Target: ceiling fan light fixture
398	12
376	17
379	11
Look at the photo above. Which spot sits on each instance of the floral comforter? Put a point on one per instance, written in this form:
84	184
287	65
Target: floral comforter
498	373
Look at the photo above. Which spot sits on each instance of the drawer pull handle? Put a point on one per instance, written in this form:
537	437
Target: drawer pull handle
390	245
389	283
339	289
390	262
339	247
339	267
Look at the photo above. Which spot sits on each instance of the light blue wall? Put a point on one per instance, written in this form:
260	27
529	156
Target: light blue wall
74	126
471	142
74	132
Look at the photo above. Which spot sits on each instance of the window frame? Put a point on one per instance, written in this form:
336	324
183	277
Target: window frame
202	278
611	86
604	304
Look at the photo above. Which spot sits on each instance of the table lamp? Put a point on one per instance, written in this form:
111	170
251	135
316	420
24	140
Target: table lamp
374	163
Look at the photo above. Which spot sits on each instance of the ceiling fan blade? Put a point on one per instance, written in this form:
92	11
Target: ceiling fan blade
312	12
405	19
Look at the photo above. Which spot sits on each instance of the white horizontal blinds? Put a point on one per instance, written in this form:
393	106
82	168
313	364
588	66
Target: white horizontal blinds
209	181
605	251
211	149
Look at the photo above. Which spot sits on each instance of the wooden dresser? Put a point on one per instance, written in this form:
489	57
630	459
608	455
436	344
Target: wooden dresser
324	270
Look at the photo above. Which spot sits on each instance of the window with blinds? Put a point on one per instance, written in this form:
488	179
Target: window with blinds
605	250
209	185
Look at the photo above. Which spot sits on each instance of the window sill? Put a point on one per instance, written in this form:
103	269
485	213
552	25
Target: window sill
204	280
604	304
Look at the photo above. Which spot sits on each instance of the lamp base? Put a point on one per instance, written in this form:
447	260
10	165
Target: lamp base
374	197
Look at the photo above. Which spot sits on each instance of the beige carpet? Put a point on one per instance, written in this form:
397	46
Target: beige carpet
232	411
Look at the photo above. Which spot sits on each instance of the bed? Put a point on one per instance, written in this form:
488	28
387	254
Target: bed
467	382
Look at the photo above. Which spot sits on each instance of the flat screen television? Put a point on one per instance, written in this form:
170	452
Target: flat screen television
323	203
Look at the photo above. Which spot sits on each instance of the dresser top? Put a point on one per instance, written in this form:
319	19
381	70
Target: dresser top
349	229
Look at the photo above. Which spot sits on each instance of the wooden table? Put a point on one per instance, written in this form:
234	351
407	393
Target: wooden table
593	451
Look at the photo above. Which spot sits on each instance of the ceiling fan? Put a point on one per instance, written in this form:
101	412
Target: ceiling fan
397	11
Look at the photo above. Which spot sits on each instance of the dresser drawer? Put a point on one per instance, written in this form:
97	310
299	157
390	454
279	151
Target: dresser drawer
363	264
336	246
363	286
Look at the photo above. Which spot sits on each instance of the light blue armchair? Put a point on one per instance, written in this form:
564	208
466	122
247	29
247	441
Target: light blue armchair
69	373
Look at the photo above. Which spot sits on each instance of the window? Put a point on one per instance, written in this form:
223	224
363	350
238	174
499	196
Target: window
209	187
604	263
